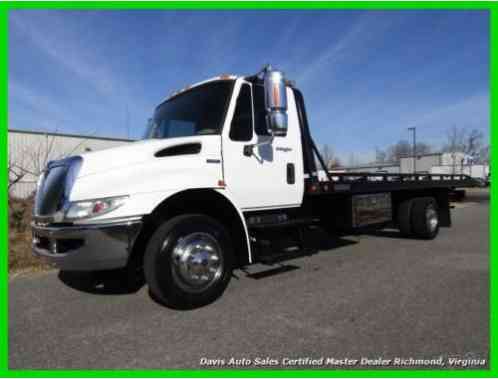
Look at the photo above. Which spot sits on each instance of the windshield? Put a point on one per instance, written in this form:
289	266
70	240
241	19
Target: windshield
199	111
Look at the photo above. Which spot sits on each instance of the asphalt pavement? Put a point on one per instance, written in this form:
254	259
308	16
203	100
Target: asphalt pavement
369	297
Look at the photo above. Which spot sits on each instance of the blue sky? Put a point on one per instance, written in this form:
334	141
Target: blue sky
366	76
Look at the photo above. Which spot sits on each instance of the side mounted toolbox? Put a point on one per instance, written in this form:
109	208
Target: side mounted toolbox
370	209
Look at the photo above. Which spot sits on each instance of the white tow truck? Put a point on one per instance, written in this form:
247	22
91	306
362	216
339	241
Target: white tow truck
225	177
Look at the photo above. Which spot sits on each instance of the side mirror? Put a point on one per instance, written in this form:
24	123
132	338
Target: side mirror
275	102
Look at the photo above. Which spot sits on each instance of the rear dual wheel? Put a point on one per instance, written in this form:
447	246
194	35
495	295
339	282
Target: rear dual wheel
419	217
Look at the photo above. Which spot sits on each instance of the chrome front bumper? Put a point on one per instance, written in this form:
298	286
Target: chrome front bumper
86	247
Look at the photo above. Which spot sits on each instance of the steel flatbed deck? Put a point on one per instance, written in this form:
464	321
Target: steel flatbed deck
367	182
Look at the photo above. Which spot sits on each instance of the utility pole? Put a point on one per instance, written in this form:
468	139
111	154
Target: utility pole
414	149
127	121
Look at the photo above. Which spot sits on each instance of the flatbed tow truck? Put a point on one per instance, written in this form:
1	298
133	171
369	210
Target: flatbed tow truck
225	177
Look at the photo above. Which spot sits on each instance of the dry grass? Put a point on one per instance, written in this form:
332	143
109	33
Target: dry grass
20	256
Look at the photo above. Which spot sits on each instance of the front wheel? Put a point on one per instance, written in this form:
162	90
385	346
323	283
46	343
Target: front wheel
188	261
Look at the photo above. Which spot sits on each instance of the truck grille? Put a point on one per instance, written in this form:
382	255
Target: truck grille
50	194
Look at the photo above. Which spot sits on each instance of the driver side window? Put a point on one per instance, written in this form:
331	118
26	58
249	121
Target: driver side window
241	128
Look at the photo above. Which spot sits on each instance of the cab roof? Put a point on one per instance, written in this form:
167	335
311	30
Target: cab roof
213	79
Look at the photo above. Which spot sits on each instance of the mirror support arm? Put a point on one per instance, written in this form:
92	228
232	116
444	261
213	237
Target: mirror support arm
249	149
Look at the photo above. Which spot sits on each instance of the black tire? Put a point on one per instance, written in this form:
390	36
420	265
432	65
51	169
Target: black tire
404	217
161	273
420	223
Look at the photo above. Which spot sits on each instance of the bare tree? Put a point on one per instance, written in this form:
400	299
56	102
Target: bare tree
484	155
335	163
327	154
463	140
403	148
380	155
468	142
352	160
400	149
16	172
30	163
39	155
474	142
329	158
423	148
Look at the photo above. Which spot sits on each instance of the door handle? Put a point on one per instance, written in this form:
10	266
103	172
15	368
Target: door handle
291	173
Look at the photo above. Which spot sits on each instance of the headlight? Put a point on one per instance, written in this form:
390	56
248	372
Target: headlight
93	208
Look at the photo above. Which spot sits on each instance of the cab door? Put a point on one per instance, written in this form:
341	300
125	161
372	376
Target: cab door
271	175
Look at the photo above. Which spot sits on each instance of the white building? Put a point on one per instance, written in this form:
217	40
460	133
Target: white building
30	151
425	162
433	163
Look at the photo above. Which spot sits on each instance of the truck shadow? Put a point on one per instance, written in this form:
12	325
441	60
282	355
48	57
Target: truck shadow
481	197
387	234
321	240
111	282
281	268
318	240
391	233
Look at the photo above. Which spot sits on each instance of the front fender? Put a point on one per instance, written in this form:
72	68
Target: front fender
142	204
230	198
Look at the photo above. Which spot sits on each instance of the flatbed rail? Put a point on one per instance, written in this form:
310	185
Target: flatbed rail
362	182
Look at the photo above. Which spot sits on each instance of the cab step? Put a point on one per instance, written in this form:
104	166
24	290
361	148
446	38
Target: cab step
277	247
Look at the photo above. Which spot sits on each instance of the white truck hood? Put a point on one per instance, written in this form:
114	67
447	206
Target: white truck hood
139	152
137	168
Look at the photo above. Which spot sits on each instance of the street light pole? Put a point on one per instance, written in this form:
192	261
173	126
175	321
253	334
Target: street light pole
414	149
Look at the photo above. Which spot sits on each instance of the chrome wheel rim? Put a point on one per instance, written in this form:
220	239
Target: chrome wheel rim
197	262
432	218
